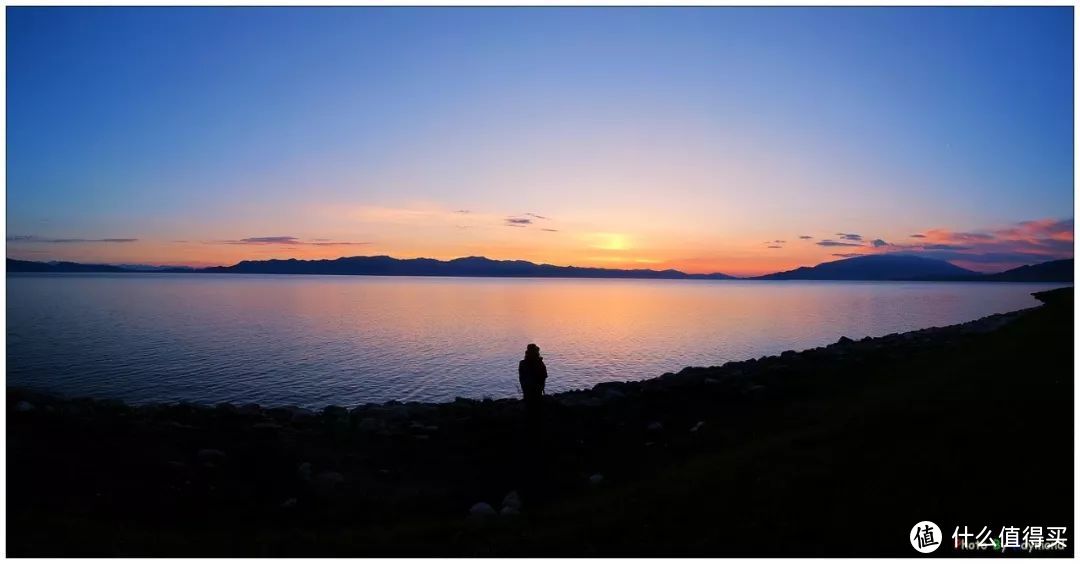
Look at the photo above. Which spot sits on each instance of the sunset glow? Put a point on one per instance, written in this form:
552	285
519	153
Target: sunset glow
704	140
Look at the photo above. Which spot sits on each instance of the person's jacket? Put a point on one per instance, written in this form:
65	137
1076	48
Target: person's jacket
532	374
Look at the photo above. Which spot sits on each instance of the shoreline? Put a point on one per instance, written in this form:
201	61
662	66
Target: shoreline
599	391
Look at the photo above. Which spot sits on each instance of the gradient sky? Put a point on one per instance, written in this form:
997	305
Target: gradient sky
739	140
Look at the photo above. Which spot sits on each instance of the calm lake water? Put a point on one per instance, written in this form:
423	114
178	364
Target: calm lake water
317	340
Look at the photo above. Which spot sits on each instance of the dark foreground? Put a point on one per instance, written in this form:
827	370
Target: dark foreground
832	451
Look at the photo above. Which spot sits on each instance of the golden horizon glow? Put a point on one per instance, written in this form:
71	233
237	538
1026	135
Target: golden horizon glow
429	231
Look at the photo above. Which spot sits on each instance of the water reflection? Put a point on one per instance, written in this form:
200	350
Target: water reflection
314	340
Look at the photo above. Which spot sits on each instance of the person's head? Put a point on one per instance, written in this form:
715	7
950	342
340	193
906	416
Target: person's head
532	351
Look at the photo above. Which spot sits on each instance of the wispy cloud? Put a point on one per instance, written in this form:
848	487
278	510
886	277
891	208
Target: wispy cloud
517	221
805	237
290	240
918	236
831	243
878	243
36	239
850	236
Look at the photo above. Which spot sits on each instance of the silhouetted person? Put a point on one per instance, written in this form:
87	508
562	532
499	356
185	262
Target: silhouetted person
532	374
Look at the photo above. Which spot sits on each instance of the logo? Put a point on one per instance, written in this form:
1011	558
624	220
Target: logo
925	537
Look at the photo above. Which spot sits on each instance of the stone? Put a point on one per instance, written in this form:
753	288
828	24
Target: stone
303	471
300	413
596	479
418	426
754	390
289	503
512	500
509	512
330	412
249	409
211	457
481	510
697	426
326	483
370	424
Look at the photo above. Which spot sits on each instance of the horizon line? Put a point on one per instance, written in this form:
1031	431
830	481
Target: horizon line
672	270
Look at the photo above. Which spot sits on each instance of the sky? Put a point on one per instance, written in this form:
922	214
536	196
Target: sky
735	140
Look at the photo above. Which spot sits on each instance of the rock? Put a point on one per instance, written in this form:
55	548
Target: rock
330	412
211	457
596	479
510	512
266	426
176	465
844	341
697	426
655	426
418	426
24	406
754	390
370	424
289	503
326	483
249	409
299	413
512	500
481	510
110	404
304	471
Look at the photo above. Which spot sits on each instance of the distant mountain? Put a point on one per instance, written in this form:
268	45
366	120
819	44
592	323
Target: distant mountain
155	268
1053	271
877	267
384	266
869	267
14	265
468	266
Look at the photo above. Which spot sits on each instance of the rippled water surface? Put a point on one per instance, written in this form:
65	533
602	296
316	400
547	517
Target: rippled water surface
317	340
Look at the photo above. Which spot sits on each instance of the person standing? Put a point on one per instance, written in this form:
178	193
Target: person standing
532	375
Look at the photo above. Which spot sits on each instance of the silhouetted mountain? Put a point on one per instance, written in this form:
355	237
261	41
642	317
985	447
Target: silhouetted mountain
14	265
877	267
468	266
156	268
870	267
1053	271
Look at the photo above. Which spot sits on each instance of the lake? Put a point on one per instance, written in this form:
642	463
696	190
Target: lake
347	340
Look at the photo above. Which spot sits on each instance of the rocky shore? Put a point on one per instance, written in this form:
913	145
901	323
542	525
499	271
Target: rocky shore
658	466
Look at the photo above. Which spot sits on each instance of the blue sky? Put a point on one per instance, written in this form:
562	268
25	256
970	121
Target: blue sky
676	137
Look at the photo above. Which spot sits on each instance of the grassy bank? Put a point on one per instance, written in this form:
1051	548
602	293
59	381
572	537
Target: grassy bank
832	451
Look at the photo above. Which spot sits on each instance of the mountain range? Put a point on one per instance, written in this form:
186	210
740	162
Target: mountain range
870	267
